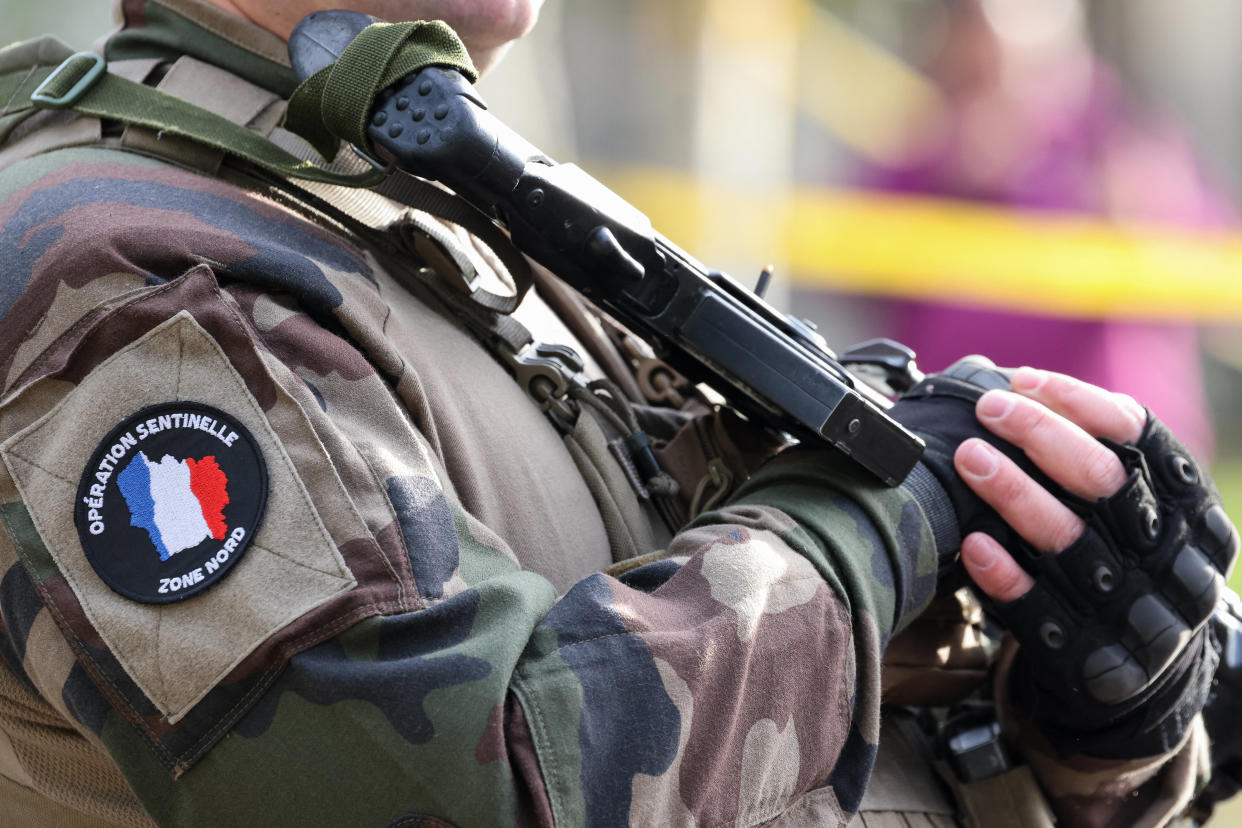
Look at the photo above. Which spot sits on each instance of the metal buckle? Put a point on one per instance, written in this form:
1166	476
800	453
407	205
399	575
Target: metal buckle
73	63
976	752
547	372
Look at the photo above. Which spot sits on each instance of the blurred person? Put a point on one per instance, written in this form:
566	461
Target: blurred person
1033	120
286	545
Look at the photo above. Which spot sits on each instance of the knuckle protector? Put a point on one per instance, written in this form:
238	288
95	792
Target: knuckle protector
1115	657
1183	487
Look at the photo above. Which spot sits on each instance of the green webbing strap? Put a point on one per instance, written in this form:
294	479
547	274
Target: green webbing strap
443	204
331	104
18	63
15	91
335	102
81	84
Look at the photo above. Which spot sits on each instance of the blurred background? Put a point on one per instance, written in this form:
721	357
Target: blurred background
1053	183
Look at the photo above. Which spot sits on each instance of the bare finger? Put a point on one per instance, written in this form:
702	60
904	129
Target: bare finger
1032	511
1099	412
1062	450
993	569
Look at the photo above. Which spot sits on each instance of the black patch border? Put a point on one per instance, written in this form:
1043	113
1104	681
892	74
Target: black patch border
80	511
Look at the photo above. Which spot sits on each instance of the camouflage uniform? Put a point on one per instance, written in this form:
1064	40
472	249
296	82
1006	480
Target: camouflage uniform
420	625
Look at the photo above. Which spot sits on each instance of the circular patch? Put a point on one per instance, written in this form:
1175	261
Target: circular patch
170	500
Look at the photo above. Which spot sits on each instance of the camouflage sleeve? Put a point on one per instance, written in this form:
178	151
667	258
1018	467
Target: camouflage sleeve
378	653
728	684
1086	792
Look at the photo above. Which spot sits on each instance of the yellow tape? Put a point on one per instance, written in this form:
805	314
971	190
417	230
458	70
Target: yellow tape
872	118
941	249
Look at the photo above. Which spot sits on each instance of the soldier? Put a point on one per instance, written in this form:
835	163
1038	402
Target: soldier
286	545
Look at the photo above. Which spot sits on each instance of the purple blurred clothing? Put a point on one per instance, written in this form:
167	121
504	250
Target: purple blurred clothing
1089	154
1157	364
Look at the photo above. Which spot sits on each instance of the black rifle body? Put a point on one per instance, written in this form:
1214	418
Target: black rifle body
776	369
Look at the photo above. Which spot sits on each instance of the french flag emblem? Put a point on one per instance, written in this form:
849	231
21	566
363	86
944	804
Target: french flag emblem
180	503
184	477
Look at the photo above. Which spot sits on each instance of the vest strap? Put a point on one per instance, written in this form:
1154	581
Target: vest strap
80	84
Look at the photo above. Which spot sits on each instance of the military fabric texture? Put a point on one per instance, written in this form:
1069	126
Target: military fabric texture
421	617
385	632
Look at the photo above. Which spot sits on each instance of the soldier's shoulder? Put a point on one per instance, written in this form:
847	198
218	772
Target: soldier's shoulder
57	207
100	185
69	166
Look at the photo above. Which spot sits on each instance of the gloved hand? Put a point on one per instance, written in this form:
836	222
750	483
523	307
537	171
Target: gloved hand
941	410
1116	657
1115	575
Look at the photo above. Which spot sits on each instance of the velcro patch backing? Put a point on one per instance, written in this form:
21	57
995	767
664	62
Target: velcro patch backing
177	652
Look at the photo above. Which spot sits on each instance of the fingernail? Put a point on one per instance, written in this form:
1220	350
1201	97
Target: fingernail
995	404
978	459
1133	410
1028	379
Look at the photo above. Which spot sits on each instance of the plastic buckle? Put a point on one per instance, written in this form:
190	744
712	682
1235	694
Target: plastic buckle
977	753
73	63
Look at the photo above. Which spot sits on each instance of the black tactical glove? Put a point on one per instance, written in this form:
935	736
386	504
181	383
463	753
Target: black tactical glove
941	410
1116	659
1116	655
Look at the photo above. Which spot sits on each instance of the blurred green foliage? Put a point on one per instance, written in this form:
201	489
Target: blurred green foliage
1228	475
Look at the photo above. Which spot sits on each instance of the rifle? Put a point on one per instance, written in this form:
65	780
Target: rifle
701	322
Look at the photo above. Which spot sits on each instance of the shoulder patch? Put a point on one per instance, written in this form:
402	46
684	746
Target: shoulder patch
184	666
115	562
170	500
